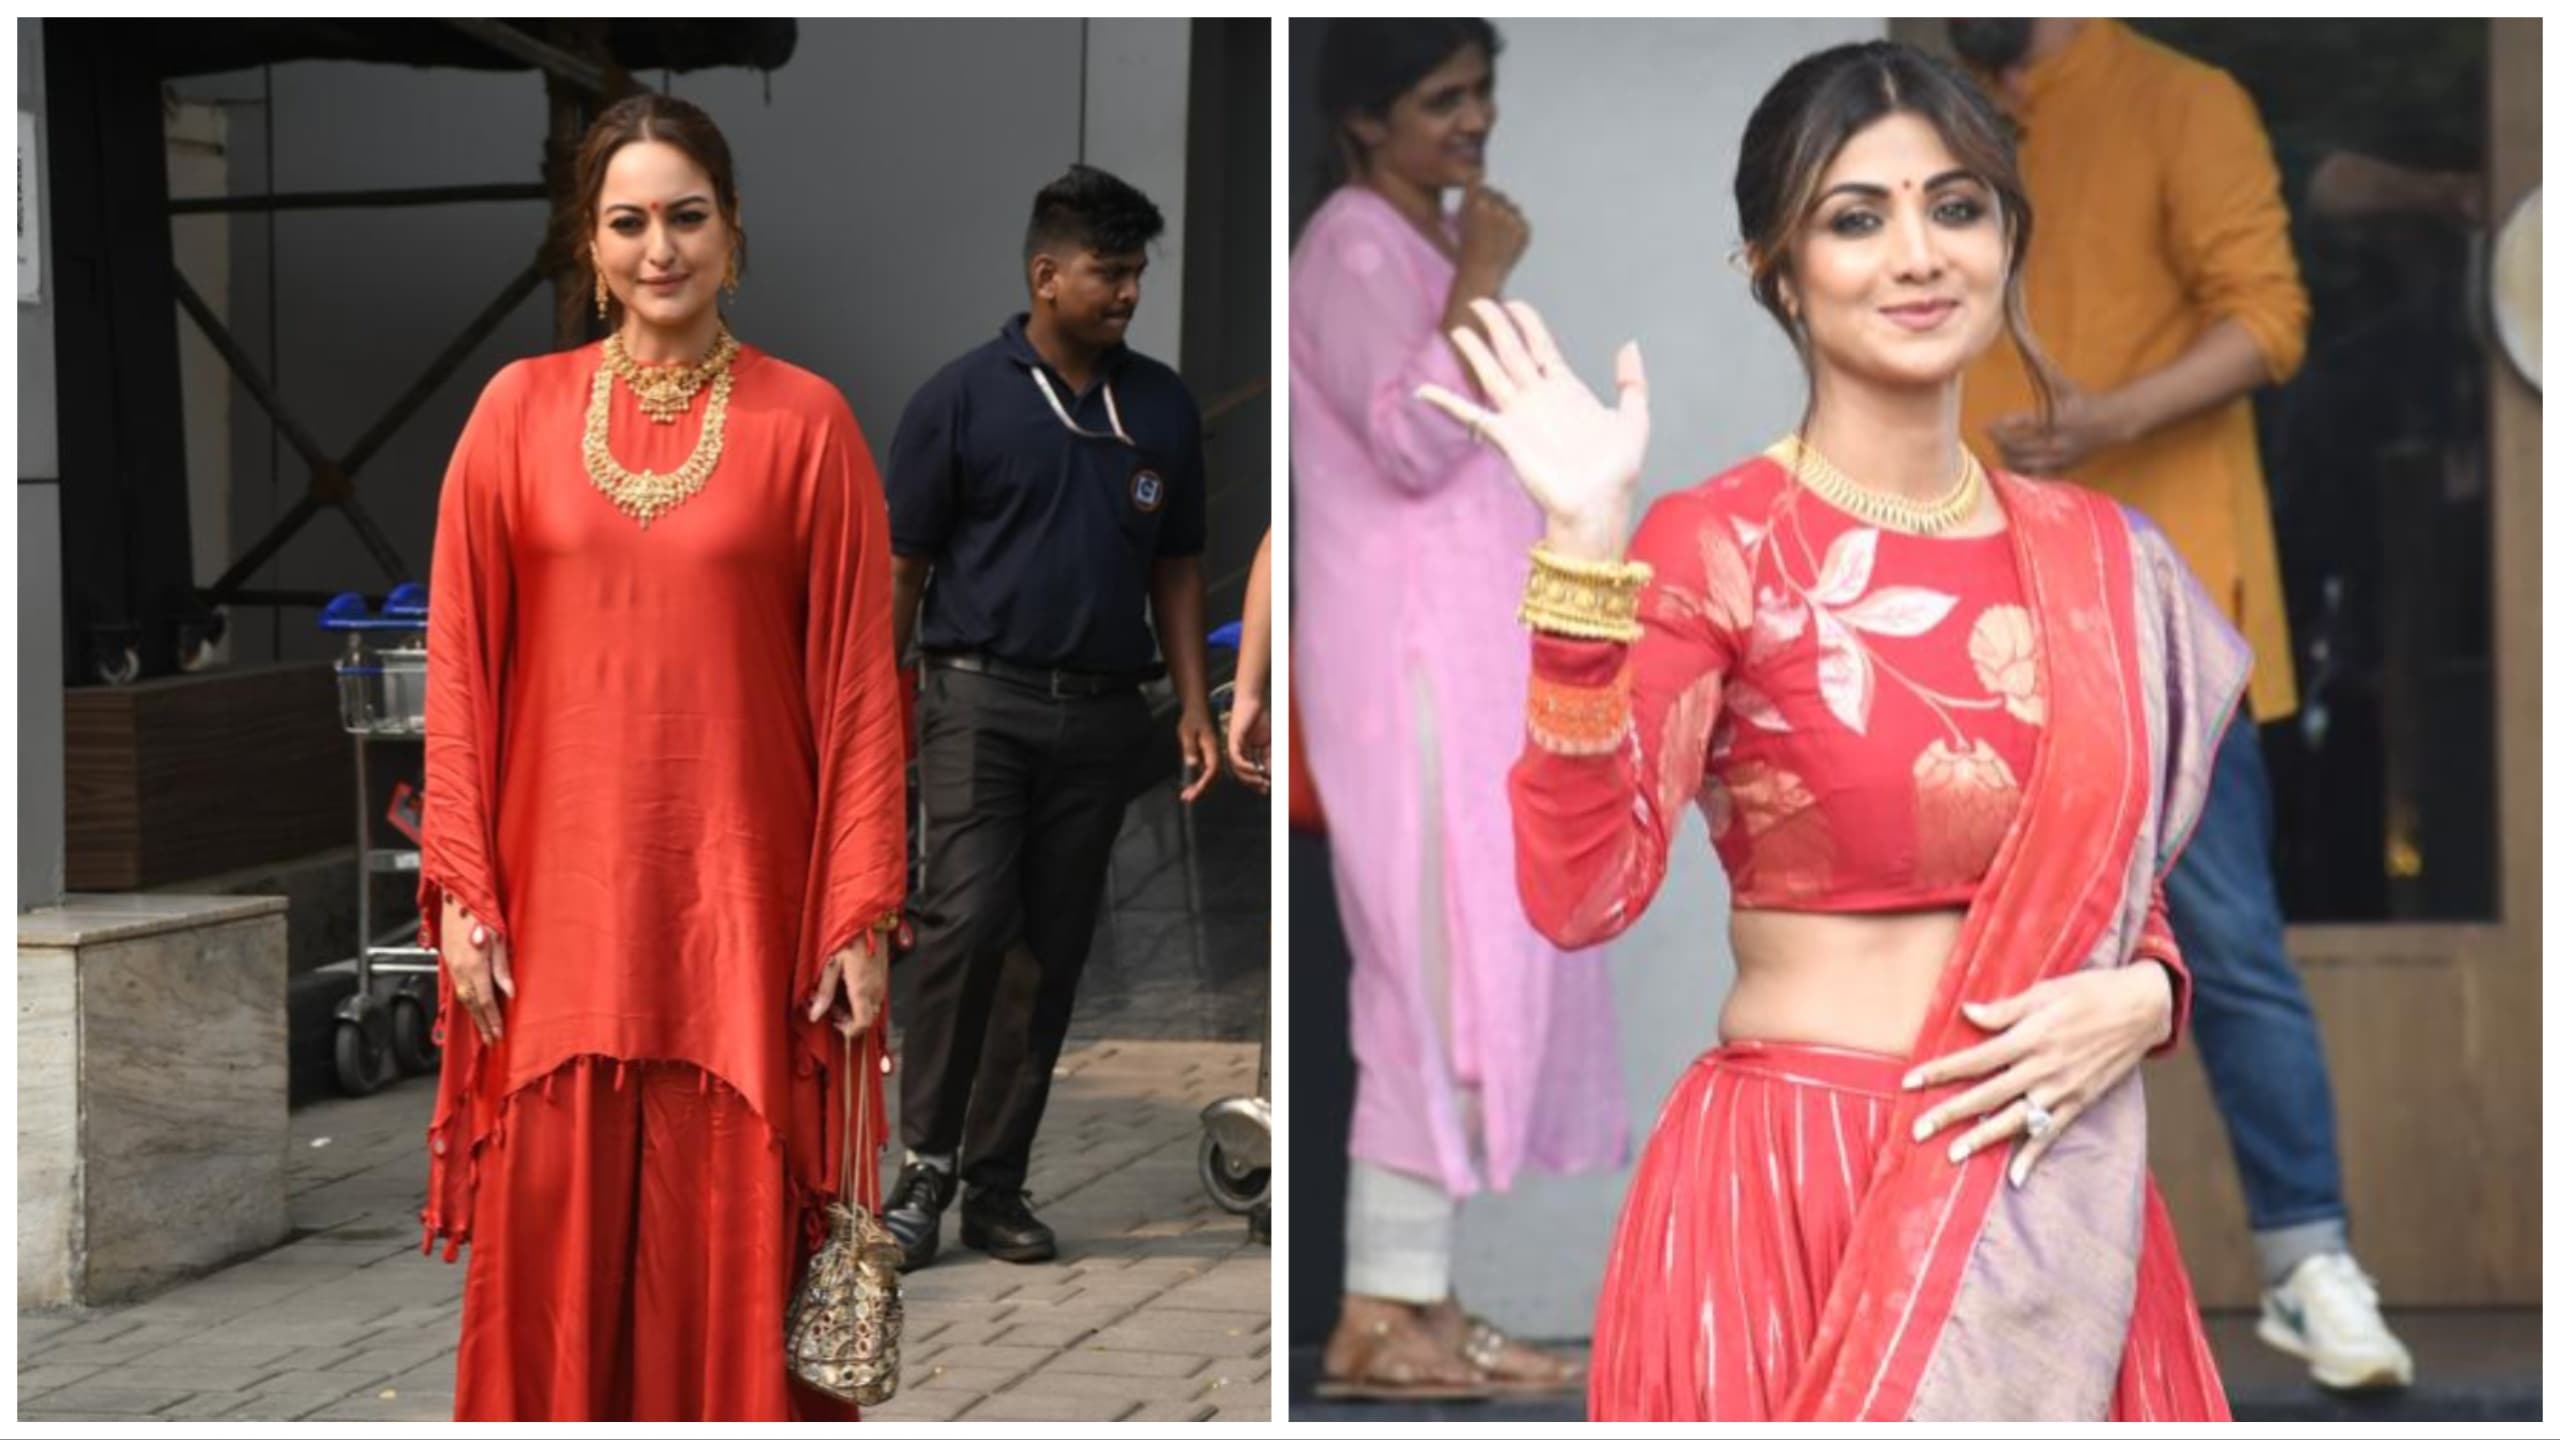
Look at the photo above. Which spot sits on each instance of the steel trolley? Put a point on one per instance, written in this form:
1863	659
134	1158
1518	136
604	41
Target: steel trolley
383	1030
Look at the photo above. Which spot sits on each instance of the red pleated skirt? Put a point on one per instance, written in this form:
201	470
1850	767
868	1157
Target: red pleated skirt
1737	1224
633	1252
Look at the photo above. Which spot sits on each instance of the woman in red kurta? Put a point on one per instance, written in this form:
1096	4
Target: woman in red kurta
665	828
1948	729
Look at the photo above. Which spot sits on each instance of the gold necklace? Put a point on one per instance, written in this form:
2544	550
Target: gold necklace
644	495
665	392
1918	517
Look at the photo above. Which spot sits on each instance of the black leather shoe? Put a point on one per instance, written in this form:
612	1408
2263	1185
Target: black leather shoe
1000	1222
914	1212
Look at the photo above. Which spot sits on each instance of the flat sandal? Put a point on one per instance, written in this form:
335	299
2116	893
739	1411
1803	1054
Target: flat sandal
1485	1344
1377	1378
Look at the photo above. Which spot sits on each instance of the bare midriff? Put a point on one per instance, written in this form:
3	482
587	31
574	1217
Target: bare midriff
1855	981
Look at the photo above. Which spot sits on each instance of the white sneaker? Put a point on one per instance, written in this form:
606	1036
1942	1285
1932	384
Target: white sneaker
2327	1312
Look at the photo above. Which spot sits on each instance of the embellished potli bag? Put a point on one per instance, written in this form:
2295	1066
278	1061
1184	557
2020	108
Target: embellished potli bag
842	1330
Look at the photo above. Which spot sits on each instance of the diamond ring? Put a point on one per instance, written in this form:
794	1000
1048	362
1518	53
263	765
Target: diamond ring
2039	1119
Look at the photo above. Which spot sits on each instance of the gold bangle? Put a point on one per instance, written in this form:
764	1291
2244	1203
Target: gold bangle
1568	719
1608	572
1583	599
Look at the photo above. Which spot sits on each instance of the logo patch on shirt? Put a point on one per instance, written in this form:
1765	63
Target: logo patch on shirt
1146	491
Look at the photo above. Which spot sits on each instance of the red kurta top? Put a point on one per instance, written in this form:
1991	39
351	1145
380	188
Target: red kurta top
665	763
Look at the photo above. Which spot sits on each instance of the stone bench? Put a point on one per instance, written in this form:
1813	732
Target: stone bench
152	1125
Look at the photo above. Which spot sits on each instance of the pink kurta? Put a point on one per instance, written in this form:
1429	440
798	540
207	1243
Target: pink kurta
1481	1047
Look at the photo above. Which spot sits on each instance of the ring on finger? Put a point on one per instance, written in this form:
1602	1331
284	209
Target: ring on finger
2039	1119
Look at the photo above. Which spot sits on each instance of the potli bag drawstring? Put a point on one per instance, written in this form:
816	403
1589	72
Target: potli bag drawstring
842	1330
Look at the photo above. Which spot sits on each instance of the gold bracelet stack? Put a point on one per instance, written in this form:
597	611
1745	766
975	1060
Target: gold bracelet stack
1583	599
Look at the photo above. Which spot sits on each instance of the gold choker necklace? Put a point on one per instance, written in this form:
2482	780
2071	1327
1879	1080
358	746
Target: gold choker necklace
1918	517
665	392
644	495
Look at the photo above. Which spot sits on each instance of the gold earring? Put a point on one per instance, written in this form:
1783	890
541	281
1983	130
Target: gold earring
730	284
602	295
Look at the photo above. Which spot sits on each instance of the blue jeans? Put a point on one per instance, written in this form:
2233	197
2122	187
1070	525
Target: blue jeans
2252	1025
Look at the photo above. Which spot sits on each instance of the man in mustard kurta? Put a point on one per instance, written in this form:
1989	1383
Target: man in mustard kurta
2163	287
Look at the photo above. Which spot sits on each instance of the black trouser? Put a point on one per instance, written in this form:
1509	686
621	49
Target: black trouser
1022	798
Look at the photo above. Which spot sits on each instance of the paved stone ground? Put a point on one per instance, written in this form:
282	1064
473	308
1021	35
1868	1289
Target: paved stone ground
1158	1308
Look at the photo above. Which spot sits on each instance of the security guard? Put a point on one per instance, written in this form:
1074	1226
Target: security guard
1045	492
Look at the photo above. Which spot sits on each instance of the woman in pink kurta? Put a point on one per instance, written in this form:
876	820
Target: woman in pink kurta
1481	1049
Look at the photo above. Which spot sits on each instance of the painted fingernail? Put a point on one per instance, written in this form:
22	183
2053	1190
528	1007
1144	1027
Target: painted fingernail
1957	1154
1925	1128
2018	1172
1911	1081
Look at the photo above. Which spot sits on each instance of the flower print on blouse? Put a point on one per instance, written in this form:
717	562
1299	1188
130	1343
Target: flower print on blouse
1880	705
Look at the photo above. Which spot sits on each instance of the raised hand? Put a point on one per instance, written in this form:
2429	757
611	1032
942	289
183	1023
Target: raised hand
1575	456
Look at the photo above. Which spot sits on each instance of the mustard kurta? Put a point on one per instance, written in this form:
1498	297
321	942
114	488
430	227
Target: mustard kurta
2159	213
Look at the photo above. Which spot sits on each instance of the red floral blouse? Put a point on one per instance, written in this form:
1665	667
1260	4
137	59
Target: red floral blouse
1855	709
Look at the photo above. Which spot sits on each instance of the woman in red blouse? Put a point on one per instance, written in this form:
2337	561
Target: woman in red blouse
1947	729
665	833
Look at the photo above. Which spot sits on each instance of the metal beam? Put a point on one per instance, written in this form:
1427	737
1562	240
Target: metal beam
221	591
385	554
446	362
247	369
507	39
574	84
312	599
359	199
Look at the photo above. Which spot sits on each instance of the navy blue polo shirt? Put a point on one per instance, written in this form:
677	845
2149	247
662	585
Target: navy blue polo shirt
1042	540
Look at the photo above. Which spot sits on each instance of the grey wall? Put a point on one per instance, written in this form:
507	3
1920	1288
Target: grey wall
40	838
884	182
